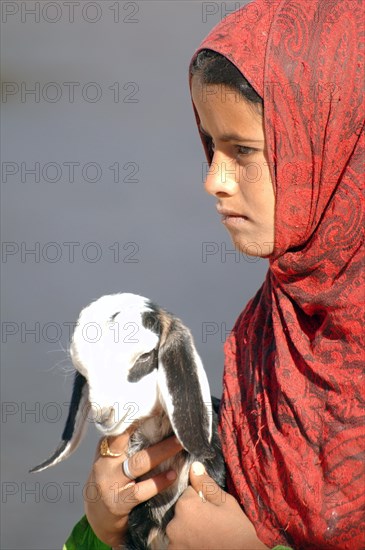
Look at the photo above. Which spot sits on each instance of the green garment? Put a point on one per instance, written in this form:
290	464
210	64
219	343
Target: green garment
83	538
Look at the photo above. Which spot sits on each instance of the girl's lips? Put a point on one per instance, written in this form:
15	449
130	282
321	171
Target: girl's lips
227	213
233	220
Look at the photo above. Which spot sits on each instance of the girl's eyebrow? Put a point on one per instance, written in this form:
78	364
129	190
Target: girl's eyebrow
230	137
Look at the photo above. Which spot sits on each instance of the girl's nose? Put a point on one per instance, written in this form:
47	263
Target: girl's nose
221	177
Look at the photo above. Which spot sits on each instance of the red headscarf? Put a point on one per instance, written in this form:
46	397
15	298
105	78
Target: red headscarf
292	414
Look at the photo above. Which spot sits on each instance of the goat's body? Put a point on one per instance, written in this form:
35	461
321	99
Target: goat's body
148	521
161	374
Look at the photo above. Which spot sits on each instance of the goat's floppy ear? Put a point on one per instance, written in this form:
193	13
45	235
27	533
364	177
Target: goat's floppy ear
184	390
75	426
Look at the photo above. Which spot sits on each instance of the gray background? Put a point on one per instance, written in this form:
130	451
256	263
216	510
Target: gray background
161	222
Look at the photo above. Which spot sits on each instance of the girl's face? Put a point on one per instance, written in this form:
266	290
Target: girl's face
239	175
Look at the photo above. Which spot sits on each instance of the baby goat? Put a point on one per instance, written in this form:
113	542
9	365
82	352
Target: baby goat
136	365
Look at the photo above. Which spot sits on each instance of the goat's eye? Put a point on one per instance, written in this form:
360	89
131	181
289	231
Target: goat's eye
144	356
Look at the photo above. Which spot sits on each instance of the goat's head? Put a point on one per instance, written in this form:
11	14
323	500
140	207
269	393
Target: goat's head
133	359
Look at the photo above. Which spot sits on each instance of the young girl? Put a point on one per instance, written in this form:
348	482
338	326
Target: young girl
277	93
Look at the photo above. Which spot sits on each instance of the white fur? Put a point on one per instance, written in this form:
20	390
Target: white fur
104	351
108	340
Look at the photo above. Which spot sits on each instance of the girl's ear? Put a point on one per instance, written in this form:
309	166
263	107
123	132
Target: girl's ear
75	427
184	391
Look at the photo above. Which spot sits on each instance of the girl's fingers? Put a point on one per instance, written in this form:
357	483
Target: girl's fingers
119	493
144	461
135	493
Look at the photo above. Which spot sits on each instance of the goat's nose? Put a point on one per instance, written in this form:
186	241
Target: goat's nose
105	414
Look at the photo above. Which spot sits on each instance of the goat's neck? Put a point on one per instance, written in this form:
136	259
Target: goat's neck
151	431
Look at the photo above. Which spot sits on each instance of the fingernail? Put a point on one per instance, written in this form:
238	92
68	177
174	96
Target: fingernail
198	468
131	484
171	475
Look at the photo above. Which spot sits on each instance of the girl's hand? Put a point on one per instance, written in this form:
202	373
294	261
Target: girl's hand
109	495
206	517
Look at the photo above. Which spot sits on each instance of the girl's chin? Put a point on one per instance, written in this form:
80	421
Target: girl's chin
252	247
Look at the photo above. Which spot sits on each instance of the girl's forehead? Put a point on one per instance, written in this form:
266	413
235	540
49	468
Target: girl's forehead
221	108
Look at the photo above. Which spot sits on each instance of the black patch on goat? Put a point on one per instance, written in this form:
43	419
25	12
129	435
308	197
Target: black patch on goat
74	424
145	364
190	416
151	320
79	383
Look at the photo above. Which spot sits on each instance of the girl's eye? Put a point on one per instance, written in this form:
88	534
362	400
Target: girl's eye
242	150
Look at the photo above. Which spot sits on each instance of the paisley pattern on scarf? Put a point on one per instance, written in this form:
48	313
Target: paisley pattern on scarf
292	414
